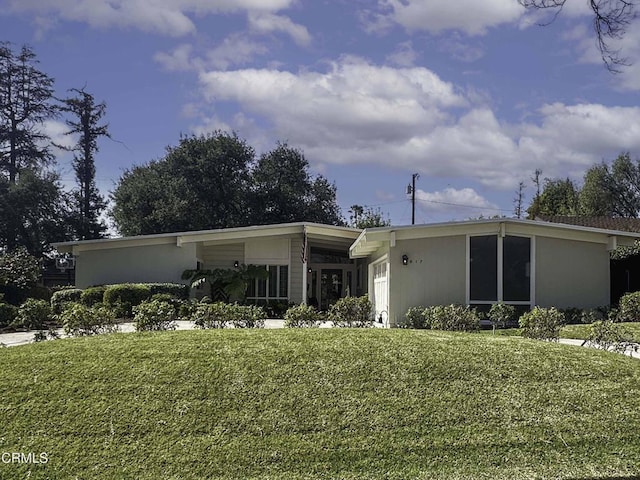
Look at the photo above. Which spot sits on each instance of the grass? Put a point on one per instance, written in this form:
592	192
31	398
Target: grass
582	331
329	404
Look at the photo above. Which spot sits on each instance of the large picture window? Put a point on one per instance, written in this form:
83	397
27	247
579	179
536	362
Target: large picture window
483	268
499	269
274	287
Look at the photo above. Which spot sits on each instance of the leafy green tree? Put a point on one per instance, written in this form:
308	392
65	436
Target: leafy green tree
202	183
558	197
19	271
367	217
26	96
284	191
86	122
612	190
34	211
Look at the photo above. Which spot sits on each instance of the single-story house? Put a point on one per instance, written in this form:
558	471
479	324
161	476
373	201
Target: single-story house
477	262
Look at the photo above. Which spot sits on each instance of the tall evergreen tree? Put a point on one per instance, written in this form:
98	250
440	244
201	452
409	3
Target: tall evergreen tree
86	122
26	101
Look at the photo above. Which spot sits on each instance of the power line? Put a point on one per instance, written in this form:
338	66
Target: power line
465	206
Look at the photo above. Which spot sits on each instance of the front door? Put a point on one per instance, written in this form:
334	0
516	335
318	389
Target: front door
329	284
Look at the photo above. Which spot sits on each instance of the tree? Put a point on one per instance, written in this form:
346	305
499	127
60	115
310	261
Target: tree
518	201
19	271
559	197
284	191
610	21
362	217
203	183
25	103
612	191
86	122
34	212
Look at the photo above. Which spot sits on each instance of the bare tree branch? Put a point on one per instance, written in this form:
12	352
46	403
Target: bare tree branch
610	22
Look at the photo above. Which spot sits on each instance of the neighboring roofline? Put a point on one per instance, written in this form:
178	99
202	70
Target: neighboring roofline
180	238
372	239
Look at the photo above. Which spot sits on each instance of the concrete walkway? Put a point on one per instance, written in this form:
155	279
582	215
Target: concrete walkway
22	338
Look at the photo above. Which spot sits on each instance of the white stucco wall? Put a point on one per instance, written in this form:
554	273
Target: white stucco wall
151	263
571	273
435	275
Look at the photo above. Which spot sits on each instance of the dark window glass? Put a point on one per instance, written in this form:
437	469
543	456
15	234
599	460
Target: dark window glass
516	268
251	290
273	281
483	268
284	281
262	288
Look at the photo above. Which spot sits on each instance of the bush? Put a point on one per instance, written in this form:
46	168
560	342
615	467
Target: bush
175	290
415	318
355	312
154	315
8	314
79	320
302	316
62	297
608	335
542	323
247	316
92	295
211	315
629	308
33	314
277	308
124	296
501	314
572	315
453	318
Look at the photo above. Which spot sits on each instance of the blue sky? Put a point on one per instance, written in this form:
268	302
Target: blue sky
472	95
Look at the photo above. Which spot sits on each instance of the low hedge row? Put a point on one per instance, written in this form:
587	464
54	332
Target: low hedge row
121	298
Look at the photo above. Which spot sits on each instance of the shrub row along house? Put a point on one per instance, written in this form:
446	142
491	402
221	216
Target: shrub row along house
479	262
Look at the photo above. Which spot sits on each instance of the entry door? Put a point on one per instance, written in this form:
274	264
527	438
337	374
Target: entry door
331	286
381	291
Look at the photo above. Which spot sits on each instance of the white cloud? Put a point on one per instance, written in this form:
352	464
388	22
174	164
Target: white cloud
404	55
236	49
465	202
472	17
169	17
269	22
409	118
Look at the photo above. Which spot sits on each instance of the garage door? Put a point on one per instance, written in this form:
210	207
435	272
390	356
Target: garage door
381	291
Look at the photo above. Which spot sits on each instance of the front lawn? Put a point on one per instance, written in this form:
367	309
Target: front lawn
306	404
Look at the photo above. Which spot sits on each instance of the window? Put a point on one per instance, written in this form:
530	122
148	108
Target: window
274	287
499	269
483	268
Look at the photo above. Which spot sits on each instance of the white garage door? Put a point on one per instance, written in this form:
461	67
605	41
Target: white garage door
381	291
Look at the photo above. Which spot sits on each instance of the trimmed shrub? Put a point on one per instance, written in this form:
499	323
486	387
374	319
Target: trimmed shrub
40	292
80	320
176	290
572	315
211	315
124	296
277	308
608	335
8	314
247	316
415	318
629	308
354	312
454	318
302	316
33	314
154	315
501	314
542	323
62	297
92	295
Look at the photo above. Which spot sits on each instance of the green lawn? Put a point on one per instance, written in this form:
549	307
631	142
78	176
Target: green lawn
332	404
582	331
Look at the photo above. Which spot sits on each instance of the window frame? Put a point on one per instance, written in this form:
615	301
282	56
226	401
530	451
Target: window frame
500	270
280	283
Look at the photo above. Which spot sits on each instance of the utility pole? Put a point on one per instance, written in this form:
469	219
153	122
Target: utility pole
412	190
